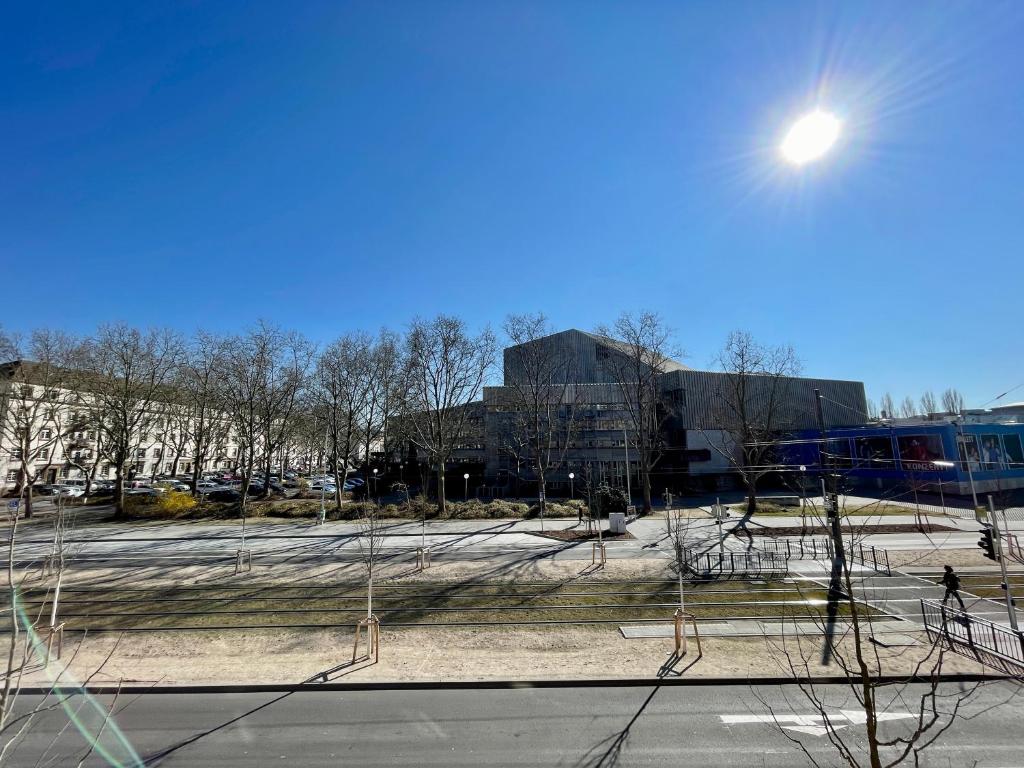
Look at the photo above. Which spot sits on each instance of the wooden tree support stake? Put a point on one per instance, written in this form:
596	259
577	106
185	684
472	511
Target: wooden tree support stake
372	625
423	558
53	634
599	554
680	634
243	560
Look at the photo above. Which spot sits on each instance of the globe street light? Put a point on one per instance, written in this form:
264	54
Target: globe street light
465	489
572	495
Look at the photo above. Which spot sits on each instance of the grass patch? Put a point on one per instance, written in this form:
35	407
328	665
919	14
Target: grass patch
344	603
767	509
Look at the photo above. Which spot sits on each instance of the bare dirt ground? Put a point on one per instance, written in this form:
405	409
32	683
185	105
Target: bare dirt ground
958	558
284	656
428	653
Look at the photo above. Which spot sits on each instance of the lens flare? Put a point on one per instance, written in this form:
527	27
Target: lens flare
810	137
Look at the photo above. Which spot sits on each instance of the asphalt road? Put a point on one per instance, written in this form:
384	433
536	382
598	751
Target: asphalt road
695	726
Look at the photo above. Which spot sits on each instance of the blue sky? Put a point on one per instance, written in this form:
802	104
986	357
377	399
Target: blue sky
344	165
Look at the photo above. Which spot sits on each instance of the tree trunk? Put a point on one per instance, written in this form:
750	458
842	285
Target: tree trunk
266	476
5	698
245	482
646	483
25	489
440	490
751	496
119	491
338	481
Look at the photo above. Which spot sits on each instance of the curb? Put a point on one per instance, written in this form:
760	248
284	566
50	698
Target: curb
458	685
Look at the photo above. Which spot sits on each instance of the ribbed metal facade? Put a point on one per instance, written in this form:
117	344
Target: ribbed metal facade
844	403
601	416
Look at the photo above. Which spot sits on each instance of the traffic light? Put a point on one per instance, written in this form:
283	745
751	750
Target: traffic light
987	543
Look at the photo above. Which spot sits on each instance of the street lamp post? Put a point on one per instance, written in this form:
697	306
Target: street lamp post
465	488
803	503
572	495
375	485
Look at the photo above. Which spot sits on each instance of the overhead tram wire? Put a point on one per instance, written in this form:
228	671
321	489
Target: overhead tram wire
1000	397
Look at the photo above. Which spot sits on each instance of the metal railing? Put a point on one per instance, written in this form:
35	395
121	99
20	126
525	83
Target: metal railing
735	563
963	631
866	555
820	548
812	547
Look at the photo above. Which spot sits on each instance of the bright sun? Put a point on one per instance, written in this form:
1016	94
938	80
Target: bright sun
810	137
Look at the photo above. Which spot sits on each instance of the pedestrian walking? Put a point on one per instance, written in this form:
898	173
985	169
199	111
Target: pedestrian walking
952	584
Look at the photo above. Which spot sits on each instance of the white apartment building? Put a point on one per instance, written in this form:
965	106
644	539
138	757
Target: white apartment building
65	443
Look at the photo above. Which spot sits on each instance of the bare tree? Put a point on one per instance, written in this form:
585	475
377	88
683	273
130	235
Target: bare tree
264	373
878	679
121	374
953	401
8	349
445	371
386	390
371	542
751	405
33	404
641	348
928	403
908	408
872	409
542	399
888	407
388	393
286	360
341	389
197	381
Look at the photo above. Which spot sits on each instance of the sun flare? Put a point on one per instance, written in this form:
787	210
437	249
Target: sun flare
810	137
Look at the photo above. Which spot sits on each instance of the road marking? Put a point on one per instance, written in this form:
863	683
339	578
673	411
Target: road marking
813	725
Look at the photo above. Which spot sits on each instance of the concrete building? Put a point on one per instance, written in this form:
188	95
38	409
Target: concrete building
696	447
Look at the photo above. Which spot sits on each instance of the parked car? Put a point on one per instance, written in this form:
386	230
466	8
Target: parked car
174	485
208	486
142	491
224	494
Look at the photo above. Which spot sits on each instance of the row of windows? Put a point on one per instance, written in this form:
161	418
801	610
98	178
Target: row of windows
918	452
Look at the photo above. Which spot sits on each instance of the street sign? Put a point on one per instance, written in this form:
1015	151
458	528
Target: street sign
13	504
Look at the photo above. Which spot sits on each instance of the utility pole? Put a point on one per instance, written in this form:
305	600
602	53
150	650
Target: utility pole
1010	609
830	500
